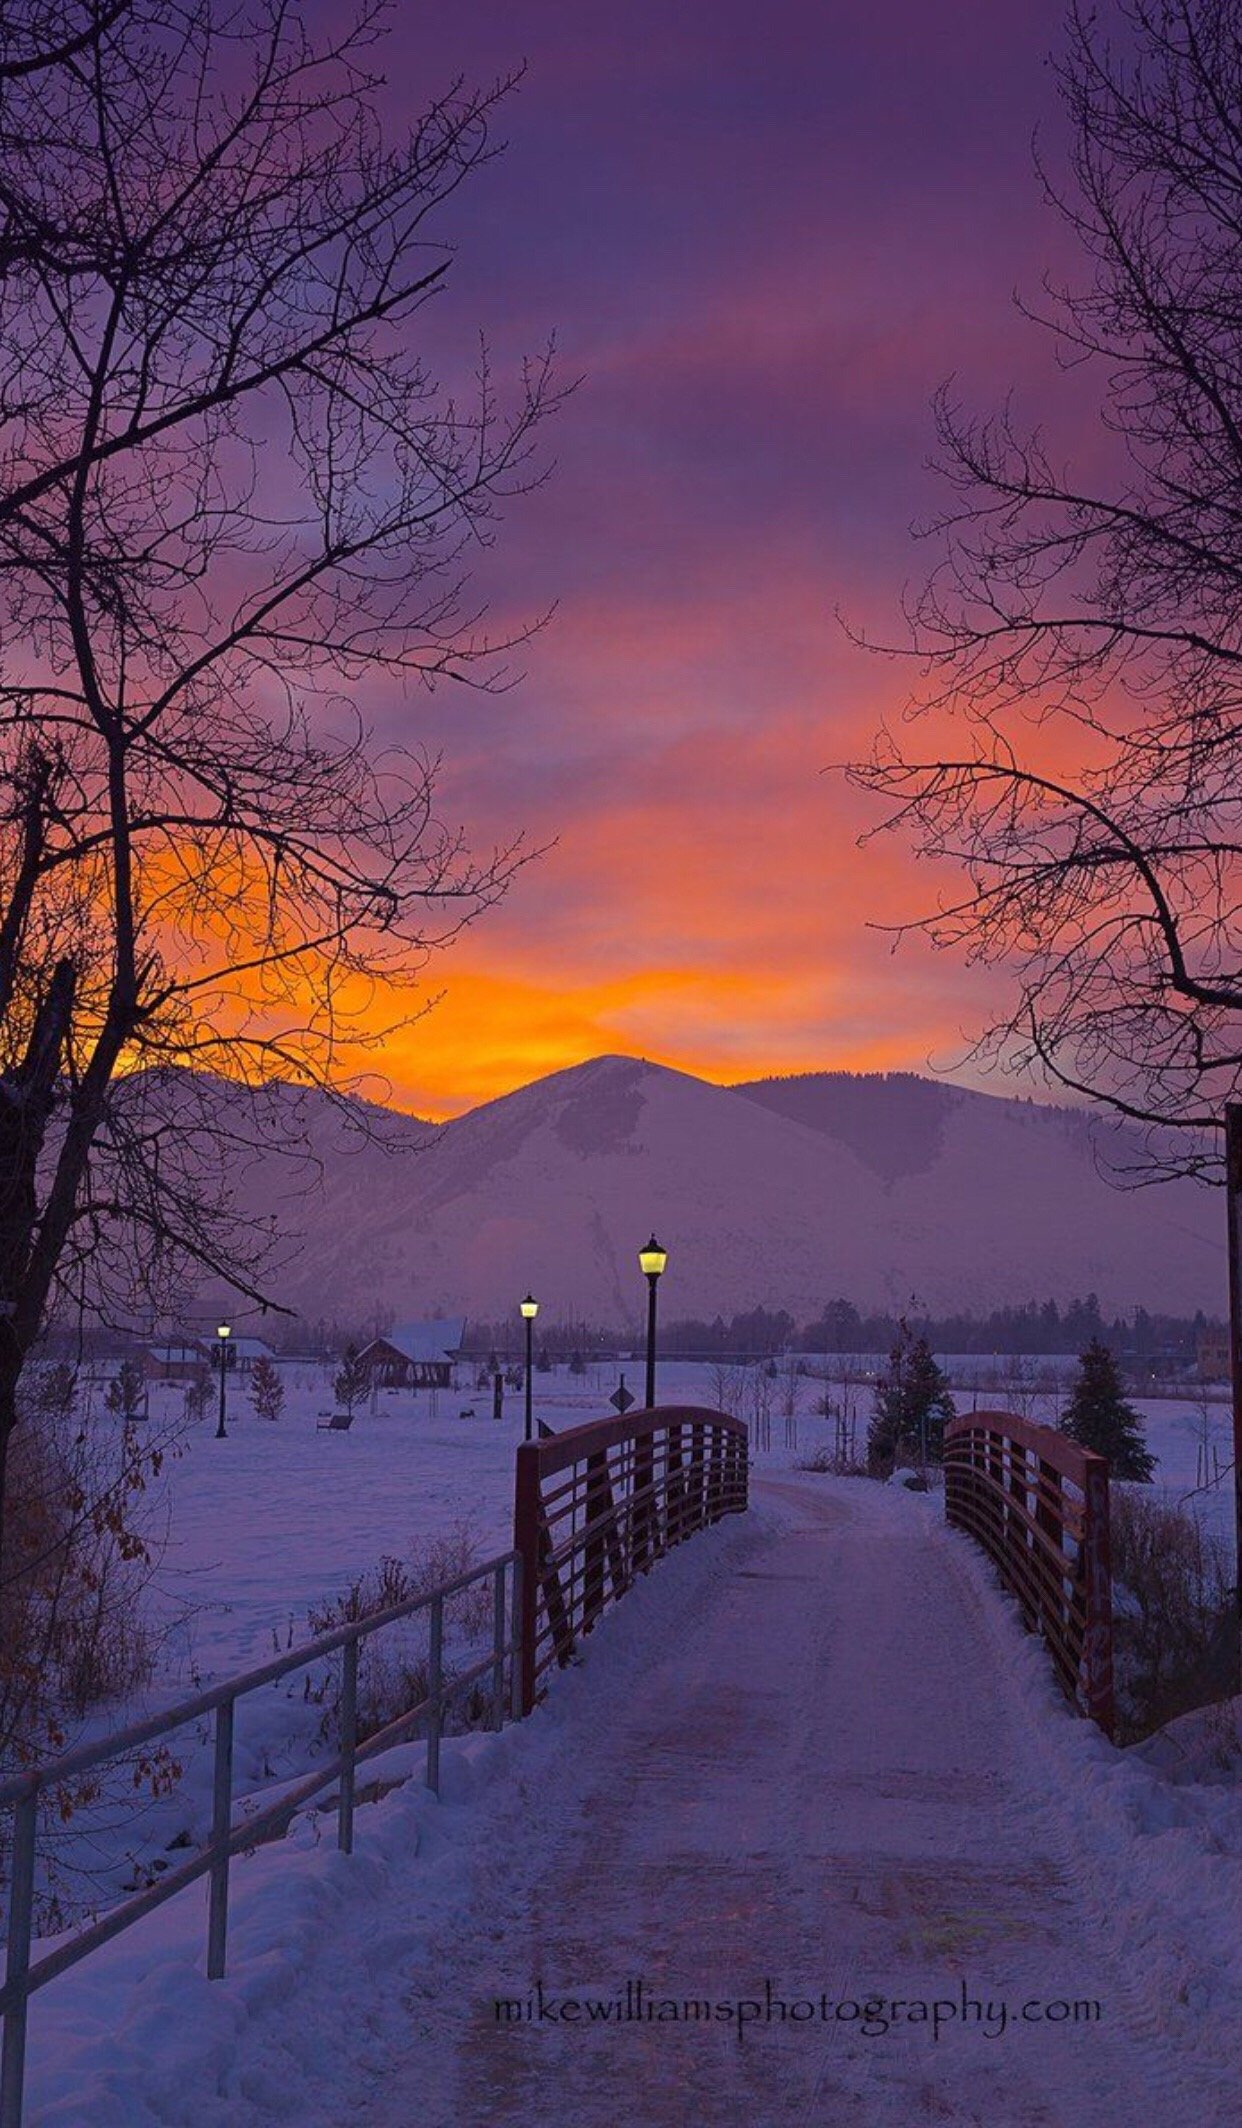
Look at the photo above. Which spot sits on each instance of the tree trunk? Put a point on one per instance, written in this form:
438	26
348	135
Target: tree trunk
26	1096
8	1420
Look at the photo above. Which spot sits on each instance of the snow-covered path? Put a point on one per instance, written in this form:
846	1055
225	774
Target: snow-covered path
813	1752
821	1788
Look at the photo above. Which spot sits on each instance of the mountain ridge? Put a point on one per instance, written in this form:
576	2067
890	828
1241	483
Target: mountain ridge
783	1192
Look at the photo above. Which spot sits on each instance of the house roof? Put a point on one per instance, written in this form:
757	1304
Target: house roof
247	1348
426	1341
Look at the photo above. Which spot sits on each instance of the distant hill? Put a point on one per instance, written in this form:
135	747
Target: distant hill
781	1192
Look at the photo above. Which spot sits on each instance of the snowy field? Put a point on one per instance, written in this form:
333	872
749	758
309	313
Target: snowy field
254	1530
661	1815
257	1529
281	1515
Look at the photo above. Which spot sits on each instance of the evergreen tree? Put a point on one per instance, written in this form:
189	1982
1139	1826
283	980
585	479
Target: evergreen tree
912	1403
1098	1416
267	1390
352	1382
126	1392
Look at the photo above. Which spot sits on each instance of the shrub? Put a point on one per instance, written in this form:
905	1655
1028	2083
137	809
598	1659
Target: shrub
72	1630
1174	1629
828	1461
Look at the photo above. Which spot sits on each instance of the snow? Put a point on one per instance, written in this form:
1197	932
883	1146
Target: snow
717	1796
282	1513
959	1824
554	1188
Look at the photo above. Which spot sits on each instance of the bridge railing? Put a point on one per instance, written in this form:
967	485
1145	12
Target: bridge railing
596	1504
1038	1504
496	1673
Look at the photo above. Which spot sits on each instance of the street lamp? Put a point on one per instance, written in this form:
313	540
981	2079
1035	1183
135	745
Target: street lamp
224	1333
651	1260
530	1309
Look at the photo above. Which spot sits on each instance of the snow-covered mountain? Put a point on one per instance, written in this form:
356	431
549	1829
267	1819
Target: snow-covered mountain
783	1192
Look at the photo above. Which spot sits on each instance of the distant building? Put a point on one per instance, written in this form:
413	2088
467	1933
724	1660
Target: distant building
415	1355
178	1361
182	1358
1212	1355
244	1351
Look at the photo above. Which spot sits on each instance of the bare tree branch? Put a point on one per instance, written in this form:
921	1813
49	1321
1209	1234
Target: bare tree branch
1088	637
230	494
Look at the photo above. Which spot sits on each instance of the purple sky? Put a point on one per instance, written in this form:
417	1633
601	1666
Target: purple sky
762	237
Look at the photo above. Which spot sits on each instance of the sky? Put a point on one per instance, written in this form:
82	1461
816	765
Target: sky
762	236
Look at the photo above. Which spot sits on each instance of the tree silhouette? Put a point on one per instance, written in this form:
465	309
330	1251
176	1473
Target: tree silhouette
233	502
1083	748
912	1403
1097	1416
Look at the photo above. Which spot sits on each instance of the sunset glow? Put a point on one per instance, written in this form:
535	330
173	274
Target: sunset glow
762	242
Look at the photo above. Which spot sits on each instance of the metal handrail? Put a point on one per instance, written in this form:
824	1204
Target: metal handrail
1037	1503
22	1792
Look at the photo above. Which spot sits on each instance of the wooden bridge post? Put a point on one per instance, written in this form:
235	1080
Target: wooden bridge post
698	1479
675	1485
526	1545
1097	1644
598	1506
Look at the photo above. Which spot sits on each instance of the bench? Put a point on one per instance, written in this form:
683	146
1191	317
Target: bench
334	1422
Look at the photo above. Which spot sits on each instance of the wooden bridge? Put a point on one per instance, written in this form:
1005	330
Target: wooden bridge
820	1796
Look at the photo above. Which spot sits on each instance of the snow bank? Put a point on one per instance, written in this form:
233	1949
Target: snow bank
137	2037
1156	1859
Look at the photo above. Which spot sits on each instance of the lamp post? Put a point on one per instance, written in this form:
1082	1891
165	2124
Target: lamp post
223	1335
530	1309
652	1260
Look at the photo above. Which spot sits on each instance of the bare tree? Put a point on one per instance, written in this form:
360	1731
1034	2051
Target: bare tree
49	33
232	500
1083	631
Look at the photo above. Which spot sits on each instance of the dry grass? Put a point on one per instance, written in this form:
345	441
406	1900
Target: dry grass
393	1664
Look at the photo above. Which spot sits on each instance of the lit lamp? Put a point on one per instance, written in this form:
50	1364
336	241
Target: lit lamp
651	1260
530	1309
223	1334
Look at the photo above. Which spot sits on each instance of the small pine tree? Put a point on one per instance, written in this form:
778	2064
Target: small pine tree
1098	1416
126	1392
912	1403
267	1390
353	1380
